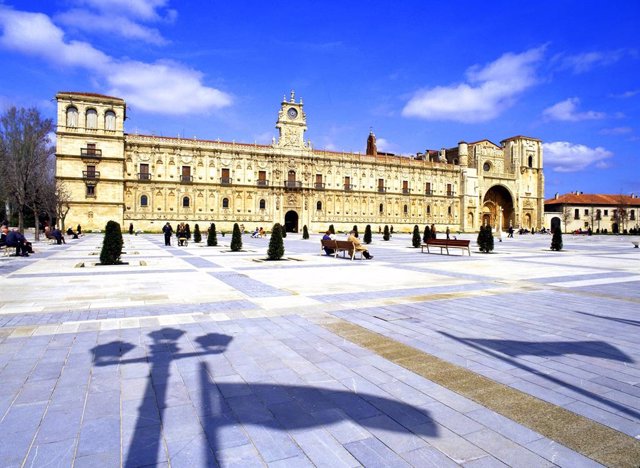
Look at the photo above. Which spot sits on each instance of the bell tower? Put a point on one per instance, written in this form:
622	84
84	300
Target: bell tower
292	123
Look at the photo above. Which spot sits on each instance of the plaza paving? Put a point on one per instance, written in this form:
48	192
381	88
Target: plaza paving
197	356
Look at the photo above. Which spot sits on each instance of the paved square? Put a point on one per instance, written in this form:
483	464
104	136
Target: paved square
197	356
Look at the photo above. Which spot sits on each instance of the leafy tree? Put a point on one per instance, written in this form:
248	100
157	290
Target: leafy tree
276	244
355	230
197	236
305	232
416	240
236	238
111	245
331	230
485	239
212	237
367	234
427	234
386	236
25	164
556	240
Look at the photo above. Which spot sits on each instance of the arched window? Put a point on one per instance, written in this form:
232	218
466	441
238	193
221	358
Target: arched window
144	200
72	116
381	208
92	118
185	202
225	203
530	161
449	211
405	209
263	204
109	120
428	209
319	206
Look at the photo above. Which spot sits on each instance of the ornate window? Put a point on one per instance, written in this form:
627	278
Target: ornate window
530	162
381	208
428	209
319	206
486	167
263	204
92	119
225	203
144	200
72	116
406	209
109	120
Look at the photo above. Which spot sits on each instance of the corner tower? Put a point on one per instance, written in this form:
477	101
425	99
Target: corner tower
90	157
292	123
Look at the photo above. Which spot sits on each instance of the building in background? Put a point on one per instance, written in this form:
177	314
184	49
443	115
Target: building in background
601	212
149	180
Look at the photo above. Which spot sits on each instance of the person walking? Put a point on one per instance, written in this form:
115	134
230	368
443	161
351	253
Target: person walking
168	231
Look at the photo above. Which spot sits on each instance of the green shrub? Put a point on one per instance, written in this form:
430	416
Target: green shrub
212	237
355	231
197	236
367	234
416	240
485	239
331	230
427	234
236	238
305	232
111	245
386	236
276	244
556	240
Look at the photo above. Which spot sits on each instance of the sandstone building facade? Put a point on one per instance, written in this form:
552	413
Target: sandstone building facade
149	180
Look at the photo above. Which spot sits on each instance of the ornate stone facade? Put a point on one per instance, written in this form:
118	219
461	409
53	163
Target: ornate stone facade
148	180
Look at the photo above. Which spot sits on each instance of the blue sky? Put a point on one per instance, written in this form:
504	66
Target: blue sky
422	74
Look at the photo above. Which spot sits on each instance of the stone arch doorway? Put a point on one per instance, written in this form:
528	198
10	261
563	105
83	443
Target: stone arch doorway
497	208
291	221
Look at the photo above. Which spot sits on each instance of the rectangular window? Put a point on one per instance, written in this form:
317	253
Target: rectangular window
449	190
347	183
91	171
91	191
91	148
576	214
319	184
427	188
632	215
381	185
586	212
144	172
226	177
606	212
262	179
186	174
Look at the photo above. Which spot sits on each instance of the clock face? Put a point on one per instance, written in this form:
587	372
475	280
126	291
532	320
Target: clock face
292	113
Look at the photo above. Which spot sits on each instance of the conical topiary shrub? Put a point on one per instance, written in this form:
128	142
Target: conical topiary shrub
197	236
236	238
427	234
415	240
276	244
556	240
355	230
367	234
212	238
331	230
111	245
485	239
385	235
305	232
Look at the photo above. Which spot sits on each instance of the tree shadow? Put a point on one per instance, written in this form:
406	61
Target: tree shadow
224	406
506	348
635	323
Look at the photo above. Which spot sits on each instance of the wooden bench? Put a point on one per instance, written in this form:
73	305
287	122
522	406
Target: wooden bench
446	243
340	246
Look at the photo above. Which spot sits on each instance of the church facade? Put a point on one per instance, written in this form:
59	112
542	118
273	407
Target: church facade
149	180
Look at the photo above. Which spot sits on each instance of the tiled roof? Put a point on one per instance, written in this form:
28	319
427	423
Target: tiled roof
104	96
593	199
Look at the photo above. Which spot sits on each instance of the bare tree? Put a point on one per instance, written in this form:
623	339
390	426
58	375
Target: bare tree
566	217
24	151
621	214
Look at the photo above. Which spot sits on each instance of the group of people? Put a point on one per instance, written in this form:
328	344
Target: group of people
183	233
14	238
56	234
353	238
258	232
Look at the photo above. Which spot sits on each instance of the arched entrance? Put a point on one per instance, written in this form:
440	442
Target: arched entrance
291	221
497	207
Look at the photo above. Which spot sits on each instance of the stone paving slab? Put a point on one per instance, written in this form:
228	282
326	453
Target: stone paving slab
204	357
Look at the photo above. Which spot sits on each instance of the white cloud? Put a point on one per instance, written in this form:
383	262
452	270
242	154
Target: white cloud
118	25
163	87
626	94
566	111
489	90
142	9
616	131
563	156
581	63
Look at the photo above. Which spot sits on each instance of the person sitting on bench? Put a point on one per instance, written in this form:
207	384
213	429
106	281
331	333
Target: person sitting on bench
358	246
327	236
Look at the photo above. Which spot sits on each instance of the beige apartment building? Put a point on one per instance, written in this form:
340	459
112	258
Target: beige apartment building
580	211
148	180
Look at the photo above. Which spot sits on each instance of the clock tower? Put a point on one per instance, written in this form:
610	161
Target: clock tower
292	123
